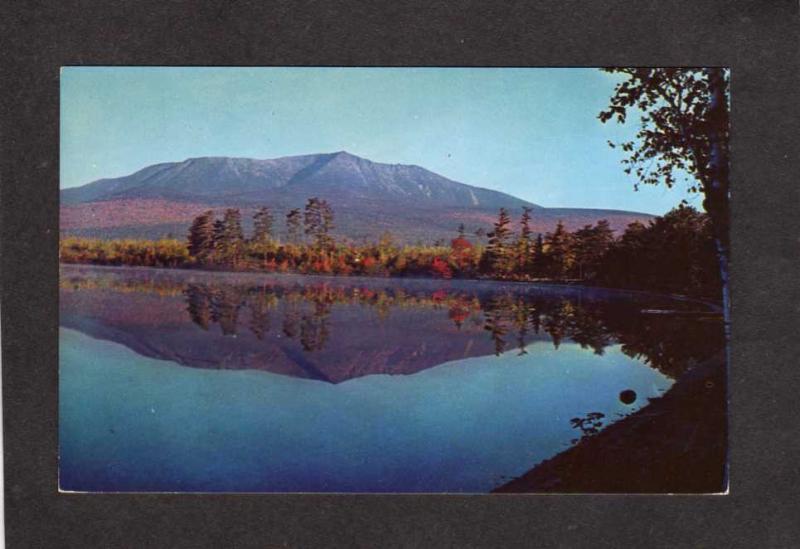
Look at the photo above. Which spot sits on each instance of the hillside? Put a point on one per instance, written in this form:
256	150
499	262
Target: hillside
368	198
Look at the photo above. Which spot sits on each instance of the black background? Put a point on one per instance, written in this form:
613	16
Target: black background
757	39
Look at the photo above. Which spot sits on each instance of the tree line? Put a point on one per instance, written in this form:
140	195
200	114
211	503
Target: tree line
673	253
222	241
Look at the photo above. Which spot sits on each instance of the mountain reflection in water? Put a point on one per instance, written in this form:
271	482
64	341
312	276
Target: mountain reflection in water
486	379
338	329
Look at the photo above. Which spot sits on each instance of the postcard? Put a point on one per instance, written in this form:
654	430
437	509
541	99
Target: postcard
393	280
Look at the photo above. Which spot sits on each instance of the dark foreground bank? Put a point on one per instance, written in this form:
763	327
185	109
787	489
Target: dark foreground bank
677	444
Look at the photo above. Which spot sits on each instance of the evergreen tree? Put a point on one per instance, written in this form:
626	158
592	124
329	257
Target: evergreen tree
497	252
560	252
229	236
201	236
319	222
524	251
293	225
584	249
674	253
219	229
591	244
538	258
327	223
262	226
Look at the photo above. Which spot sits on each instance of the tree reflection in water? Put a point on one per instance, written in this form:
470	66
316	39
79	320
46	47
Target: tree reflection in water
589	425
666	343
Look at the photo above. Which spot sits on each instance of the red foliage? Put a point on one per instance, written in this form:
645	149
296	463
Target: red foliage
367	293
460	245
342	267
440	268
439	295
369	262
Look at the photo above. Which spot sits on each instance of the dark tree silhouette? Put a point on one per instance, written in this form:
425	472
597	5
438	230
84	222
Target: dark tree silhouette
674	253
524	255
560	254
262	226
201	236
318	221
294	223
497	252
229	237
684	129
538	257
591	244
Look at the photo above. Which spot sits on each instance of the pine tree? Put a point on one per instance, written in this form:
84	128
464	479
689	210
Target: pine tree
327	223
560	252
591	245
229	237
318	220
293	225
524	252
538	258
201	237
497	252
584	249
262	226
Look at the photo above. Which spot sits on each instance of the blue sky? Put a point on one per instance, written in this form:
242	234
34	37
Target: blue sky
532	133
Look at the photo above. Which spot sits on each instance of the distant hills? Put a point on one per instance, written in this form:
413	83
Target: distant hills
368	198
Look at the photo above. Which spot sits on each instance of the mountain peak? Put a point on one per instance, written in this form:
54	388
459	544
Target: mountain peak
340	176
344	155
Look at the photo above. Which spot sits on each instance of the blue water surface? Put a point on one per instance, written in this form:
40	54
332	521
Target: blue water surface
133	423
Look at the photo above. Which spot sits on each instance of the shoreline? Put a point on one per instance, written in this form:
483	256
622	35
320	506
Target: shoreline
549	283
677	444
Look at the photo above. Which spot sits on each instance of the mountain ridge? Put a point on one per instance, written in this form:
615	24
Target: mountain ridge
368	198
194	178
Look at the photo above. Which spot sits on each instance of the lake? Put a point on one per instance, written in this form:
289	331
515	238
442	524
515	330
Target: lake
197	381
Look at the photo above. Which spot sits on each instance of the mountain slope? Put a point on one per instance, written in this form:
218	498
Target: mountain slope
368	198
242	180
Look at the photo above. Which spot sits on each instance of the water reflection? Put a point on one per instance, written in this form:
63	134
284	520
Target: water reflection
251	322
589	425
504	376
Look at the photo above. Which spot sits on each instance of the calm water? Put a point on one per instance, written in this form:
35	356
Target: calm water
190	381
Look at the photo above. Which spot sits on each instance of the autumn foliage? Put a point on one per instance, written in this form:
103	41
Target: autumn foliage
673	253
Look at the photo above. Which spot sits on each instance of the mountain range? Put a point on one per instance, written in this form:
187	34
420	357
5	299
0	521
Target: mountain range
368	199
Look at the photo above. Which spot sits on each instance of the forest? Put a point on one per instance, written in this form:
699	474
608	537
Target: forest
673	253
